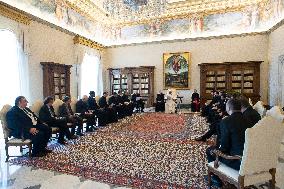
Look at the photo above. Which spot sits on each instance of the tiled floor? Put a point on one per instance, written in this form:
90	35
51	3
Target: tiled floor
21	177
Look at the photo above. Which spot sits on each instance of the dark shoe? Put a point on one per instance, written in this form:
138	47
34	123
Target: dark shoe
201	138
215	181
47	150
63	142
40	154
73	137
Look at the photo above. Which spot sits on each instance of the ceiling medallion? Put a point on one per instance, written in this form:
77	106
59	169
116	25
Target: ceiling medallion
130	10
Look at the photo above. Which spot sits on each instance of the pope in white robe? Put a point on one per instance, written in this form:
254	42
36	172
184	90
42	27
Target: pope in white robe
170	106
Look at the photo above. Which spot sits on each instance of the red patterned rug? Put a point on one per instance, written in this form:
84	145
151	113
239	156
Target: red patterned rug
150	150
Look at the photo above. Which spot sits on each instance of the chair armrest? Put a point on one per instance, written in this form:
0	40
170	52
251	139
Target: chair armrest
218	154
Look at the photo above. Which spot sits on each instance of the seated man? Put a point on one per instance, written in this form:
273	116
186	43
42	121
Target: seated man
109	112
117	103
24	123
160	102
232	135
251	114
82	107
66	111
195	102
138	102
128	104
47	115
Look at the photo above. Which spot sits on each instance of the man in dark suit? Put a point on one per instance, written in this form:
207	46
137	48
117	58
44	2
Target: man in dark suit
116	102
110	114
82	107
92	101
138	102
66	111
160	102
251	114
232	134
47	115
128	104
24	123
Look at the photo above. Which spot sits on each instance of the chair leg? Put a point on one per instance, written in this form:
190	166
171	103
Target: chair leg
209	179
7	153
30	150
272	181
241	180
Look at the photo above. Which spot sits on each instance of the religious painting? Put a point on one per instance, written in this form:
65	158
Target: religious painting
176	70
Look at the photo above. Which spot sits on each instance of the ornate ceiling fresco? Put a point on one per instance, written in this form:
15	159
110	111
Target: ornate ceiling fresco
116	22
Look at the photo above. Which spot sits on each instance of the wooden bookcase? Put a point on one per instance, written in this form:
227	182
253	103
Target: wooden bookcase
135	80
241	77
56	80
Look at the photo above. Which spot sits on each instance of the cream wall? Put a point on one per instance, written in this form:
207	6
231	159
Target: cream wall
45	44
203	51
48	45
276	68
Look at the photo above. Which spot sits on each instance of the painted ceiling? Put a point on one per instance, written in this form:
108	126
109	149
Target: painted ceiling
117	22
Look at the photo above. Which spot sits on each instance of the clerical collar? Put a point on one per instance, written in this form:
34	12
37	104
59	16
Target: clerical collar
21	108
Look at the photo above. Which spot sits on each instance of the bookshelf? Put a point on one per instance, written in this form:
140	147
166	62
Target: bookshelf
56	80
135	80
241	77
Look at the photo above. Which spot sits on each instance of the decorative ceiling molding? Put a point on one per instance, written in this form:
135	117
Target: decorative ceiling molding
14	15
193	39
88	9
87	42
175	10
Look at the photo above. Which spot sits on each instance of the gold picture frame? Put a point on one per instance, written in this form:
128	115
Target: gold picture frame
176	70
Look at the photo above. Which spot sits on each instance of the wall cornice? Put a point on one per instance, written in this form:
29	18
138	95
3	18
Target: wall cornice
87	42
14	15
192	39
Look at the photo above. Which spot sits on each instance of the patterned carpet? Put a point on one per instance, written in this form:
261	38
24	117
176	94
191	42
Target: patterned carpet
150	150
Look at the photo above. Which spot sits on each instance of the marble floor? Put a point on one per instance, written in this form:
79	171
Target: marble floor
22	177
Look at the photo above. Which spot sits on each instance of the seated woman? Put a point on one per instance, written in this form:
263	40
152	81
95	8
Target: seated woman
195	102
170	106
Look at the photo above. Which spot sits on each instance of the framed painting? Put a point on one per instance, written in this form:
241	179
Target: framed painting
176	70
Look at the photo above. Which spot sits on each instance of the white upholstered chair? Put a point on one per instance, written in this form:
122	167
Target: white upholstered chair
250	101
10	141
276	113
73	104
56	104
97	99
36	107
260	108
260	156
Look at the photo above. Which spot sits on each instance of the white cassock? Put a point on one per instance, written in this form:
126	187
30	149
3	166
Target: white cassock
170	106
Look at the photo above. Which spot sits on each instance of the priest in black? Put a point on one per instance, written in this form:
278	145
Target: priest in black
66	111
251	114
47	115
160	102
82	108
128	104
109	111
138	102
117	103
232	134
23	123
